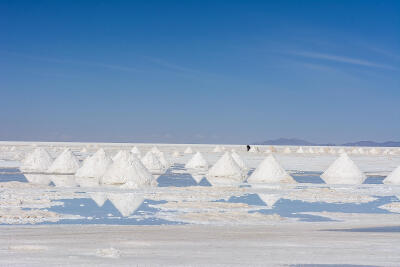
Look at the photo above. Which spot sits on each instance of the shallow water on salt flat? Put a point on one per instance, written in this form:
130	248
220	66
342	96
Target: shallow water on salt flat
122	208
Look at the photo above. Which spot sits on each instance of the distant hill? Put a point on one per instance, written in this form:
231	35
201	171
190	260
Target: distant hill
300	142
372	143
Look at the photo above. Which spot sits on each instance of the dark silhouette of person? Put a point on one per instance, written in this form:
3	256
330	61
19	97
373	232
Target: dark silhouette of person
248	148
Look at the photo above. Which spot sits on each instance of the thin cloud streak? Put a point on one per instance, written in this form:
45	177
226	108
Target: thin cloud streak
342	59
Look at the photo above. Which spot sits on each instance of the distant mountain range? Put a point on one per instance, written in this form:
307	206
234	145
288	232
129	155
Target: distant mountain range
300	142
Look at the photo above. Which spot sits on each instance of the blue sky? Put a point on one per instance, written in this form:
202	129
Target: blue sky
199	71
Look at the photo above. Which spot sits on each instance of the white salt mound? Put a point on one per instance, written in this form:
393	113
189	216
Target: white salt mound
217	149
152	163
38	161
393	177
164	162
129	172
254	149
94	166
197	162
176	154
65	163
135	150
311	150
226	167
270	171
374	151
239	161
287	150
188	150
155	150
343	171
121	153
300	150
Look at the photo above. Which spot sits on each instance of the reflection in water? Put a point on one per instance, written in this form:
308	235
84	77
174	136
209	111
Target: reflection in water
42	179
126	203
99	198
63	180
270	199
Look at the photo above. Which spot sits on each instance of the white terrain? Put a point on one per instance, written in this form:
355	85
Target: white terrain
198	205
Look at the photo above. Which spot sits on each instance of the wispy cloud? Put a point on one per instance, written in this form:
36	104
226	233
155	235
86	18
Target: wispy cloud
171	66
342	59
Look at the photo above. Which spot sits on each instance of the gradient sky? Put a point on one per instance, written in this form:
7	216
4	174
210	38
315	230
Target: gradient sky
199	71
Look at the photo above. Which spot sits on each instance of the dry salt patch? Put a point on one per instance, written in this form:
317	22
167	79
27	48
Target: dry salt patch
188	150
343	171
393	177
197	162
226	171
38	161
65	163
129	172
108	253
94	166
270	171
152	163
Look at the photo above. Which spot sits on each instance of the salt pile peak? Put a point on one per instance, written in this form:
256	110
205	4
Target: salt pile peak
129	172
226	170
197	162
188	150
65	163
136	151
270	171
239	161
152	163
393	177
94	166
38	161
300	150
155	150
343	171
164	162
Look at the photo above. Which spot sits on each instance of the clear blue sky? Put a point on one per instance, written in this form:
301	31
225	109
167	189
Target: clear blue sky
199	71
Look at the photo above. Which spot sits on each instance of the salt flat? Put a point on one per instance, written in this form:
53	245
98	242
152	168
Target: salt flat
50	218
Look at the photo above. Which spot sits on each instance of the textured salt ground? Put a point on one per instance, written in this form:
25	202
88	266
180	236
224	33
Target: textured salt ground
188	245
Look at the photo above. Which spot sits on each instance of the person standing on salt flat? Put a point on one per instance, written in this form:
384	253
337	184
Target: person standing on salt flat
393	177
343	171
270	171
94	166
38	161
248	148
226	171
65	163
197	162
128	171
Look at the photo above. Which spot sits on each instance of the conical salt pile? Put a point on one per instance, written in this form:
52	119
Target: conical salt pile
341	150
152	163
239	161
38	161
332	150
361	151
343	171
311	150
374	151
94	166
217	149
321	150
393	177
136	151
269	171
121	153
287	150
176	154
226	170
84	150
300	150
155	150
65	163
188	150
197	162
254	149
164	162
126	203
128	171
